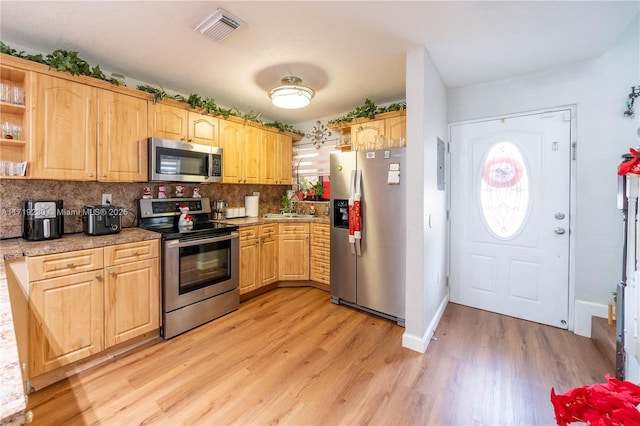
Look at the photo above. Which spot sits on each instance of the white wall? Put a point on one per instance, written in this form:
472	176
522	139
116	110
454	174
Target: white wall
426	206
599	88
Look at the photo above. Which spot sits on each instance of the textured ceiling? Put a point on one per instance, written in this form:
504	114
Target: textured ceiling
347	51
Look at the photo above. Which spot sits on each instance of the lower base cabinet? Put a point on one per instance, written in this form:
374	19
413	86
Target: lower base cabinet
293	251
85	301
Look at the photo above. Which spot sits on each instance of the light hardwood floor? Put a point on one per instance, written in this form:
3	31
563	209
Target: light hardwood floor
291	357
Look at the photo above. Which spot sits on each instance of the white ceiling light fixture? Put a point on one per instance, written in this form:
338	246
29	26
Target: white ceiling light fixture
291	94
219	25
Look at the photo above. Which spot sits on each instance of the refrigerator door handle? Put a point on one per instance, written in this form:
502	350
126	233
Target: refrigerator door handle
352	218
357	234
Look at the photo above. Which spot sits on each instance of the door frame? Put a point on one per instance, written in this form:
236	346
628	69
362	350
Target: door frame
572	194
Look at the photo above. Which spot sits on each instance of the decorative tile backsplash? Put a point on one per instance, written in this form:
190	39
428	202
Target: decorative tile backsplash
75	195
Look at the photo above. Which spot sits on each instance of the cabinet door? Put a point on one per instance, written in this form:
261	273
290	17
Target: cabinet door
132	295
250	154
231	141
365	135
284	164
167	122
65	320
122	138
203	129
293	257
249	265
396	128
268	254
268	157
64	143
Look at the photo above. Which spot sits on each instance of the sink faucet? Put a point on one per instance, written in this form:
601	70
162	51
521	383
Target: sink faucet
293	203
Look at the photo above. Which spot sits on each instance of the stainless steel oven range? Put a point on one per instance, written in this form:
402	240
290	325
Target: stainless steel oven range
199	266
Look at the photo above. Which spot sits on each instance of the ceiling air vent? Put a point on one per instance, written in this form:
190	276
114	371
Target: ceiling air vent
219	25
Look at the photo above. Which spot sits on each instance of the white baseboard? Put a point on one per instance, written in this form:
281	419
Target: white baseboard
420	344
583	312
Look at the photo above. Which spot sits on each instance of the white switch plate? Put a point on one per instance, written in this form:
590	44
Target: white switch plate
106	199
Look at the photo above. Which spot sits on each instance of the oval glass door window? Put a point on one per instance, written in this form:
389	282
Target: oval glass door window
504	190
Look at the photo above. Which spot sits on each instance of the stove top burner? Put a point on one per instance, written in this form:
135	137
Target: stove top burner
201	230
161	215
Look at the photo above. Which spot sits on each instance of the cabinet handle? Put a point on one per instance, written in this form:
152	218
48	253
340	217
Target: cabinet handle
135	252
183	139
90	174
99	276
69	264
112	273
104	175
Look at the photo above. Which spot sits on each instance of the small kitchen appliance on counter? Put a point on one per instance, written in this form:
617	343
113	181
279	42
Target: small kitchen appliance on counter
42	220
101	220
200	268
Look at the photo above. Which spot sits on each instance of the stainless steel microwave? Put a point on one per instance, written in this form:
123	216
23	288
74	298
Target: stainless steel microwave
174	161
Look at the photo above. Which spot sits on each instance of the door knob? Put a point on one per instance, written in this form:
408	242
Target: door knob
558	230
559	216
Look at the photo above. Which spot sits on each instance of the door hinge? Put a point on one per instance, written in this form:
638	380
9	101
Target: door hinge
574	148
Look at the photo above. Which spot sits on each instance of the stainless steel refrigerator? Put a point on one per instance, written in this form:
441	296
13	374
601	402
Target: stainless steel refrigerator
368	192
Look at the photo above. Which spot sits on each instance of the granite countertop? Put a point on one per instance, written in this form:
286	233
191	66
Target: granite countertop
253	221
12	397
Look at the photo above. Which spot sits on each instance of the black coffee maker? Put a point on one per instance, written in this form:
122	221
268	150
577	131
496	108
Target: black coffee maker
43	220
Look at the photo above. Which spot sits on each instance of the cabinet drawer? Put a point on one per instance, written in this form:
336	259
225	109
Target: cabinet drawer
320	229
248	233
320	241
60	264
293	228
269	230
320	275
320	253
130	252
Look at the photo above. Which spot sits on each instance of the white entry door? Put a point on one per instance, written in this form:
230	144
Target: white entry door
509	216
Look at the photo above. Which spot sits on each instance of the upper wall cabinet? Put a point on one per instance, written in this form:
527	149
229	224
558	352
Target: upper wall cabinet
387	128
231	141
178	124
64	142
122	138
85	133
284	167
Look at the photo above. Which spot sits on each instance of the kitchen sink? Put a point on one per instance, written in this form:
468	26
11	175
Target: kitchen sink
289	216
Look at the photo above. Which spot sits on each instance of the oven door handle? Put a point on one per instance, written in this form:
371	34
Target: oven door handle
177	244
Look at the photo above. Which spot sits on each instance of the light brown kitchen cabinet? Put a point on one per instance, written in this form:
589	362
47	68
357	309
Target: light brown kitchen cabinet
122	138
268	253
168	122
231	137
179	124
65	311
251	155
320	253
396	128
83	302
64	140
293	251
16	149
132	291
203	129
365	135
284	145
249	259
268	157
